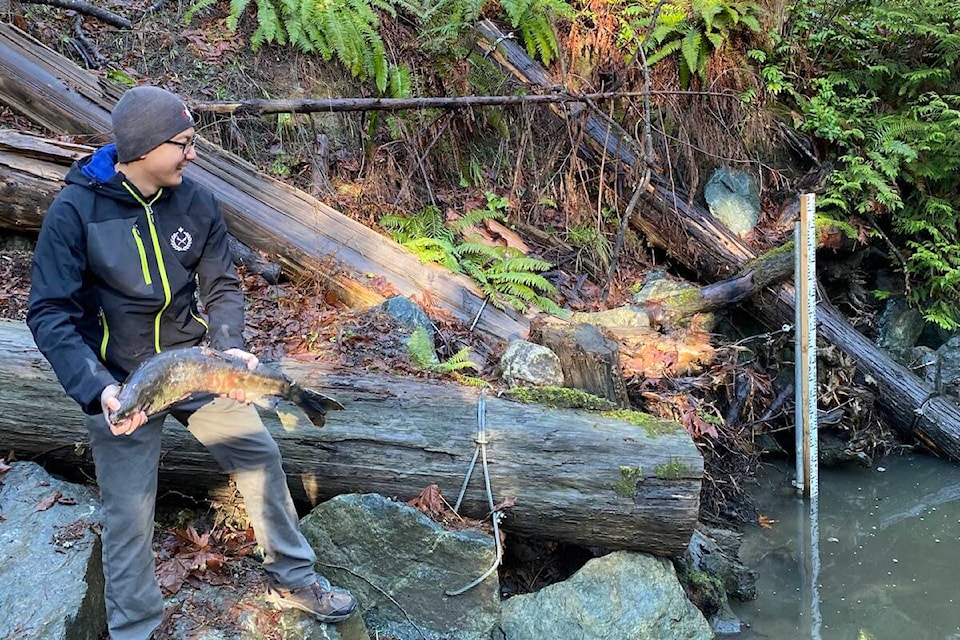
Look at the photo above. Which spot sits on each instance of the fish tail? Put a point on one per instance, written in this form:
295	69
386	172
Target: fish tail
313	403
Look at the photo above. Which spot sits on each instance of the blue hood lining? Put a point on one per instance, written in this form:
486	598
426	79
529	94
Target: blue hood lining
101	165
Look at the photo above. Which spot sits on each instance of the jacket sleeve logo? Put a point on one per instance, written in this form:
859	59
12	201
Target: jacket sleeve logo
181	240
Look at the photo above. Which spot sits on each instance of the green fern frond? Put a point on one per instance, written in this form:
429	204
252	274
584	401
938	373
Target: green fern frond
420	348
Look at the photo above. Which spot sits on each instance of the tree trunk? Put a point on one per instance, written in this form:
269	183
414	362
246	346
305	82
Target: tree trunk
697	240
589	359
576	476
306	236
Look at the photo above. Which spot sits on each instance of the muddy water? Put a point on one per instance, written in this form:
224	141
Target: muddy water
883	562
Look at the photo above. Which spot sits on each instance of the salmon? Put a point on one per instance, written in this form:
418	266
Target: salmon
173	376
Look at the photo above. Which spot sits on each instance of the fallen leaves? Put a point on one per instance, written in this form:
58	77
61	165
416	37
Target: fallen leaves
432	503
184	555
54	498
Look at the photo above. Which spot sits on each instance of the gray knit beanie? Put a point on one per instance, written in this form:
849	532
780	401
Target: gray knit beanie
145	118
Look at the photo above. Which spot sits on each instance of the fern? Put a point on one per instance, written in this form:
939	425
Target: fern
883	94
345	29
695	28
534	19
420	348
504	275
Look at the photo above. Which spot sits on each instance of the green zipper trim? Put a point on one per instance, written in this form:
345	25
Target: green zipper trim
144	267
147	206
106	336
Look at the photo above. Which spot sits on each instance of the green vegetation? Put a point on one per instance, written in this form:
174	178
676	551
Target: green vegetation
505	276
695	29
879	83
559	397
672	469
653	425
627	485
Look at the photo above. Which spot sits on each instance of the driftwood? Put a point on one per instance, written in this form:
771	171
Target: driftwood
301	233
694	238
576	476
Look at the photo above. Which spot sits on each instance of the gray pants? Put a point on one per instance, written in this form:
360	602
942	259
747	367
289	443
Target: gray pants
127	475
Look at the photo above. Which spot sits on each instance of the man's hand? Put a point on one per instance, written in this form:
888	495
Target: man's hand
251	361
109	402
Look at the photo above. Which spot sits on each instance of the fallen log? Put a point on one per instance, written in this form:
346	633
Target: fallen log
697	240
301	233
576	476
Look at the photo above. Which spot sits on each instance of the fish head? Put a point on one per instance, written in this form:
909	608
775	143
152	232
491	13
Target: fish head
124	412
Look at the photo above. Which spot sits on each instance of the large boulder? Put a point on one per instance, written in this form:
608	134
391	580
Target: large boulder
621	595
51	576
400	564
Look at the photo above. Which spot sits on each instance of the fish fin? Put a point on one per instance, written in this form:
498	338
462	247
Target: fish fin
289	420
314	404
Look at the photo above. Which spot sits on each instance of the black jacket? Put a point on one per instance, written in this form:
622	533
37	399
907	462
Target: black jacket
116	275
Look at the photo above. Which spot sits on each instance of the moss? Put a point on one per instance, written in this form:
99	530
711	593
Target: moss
559	397
673	468
823	223
627	485
787	247
653	425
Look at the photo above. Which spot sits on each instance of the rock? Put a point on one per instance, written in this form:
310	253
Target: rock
899	328
711	573
621	595
733	199
948	356
51	576
408	314
374	547
924	362
525	363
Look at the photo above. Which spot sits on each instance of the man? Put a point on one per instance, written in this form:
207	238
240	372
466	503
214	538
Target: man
125	250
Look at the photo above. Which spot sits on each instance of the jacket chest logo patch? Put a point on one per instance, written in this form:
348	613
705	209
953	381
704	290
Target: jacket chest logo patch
181	240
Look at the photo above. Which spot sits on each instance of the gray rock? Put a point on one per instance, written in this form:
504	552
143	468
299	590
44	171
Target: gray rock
924	362
899	328
407	563
734	199
526	363
947	375
621	595
51	576
408	314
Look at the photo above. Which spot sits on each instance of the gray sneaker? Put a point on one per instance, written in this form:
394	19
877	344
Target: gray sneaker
323	602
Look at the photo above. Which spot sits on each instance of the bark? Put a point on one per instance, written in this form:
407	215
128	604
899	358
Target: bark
85	8
301	233
695	239
576	476
590	360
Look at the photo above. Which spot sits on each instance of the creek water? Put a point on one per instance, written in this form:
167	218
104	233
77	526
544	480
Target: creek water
879	561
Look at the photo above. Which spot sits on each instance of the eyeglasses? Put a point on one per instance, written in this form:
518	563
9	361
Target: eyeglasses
185	146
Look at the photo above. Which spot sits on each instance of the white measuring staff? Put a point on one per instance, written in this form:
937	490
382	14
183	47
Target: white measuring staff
805	305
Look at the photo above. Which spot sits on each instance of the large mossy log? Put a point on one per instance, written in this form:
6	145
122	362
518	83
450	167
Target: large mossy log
576	476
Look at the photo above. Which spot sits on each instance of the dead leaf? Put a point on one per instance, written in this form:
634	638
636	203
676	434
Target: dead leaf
48	502
765	522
